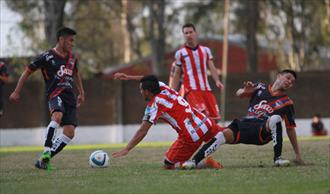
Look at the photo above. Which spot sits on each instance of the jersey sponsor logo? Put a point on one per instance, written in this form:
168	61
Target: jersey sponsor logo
64	71
263	106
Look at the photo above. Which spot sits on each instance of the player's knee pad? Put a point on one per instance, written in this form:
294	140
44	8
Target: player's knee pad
273	120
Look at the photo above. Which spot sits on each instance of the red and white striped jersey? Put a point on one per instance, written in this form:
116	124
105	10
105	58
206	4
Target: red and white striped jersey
173	109
193	62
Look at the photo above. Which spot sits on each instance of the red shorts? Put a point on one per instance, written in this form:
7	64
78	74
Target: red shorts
205	102
182	149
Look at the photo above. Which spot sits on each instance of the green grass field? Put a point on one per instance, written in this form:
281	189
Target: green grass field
248	169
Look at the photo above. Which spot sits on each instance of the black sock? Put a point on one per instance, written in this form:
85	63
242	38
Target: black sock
200	155
60	142
49	137
50	133
59	148
279	141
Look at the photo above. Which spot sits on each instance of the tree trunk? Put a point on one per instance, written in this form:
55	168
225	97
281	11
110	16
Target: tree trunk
252	8
161	37
292	37
126	36
54	15
224	59
157	36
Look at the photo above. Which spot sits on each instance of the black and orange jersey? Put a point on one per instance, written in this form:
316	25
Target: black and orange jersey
58	72
264	103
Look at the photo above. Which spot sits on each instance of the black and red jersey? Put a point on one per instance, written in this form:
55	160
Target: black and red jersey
264	103
58	72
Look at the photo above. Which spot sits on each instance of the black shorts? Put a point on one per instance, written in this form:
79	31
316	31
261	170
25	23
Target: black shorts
250	131
56	104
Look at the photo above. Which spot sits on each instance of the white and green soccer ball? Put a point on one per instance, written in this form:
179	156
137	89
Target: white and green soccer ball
99	159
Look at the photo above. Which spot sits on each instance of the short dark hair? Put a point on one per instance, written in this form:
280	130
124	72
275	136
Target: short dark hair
64	31
289	71
150	82
189	25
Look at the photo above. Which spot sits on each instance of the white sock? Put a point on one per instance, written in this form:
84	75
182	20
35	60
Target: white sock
60	139
53	125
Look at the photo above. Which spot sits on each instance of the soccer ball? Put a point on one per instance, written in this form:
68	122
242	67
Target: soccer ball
99	159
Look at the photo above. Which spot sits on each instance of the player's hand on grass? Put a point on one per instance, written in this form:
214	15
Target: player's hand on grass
298	161
120	153
14	97
120	76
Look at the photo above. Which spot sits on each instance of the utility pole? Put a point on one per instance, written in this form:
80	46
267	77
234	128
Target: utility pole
224	59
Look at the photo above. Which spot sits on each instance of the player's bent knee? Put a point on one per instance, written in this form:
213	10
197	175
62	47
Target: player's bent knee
273	120
57	117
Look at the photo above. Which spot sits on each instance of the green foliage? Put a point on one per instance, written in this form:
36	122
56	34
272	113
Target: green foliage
248	169
306	27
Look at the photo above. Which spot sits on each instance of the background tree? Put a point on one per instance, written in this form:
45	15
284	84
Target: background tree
113	32
251	22
247	23
300	31
54	17
45	16
40	21
157	35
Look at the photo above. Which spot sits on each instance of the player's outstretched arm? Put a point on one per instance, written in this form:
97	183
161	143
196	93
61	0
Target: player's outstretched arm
247	90
137	138
123	76
293	139
15	95
215	75
174	82
80	87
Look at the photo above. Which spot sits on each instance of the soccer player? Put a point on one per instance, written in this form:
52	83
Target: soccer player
3	79
193	60
192	126
59	67
317	126
268	106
